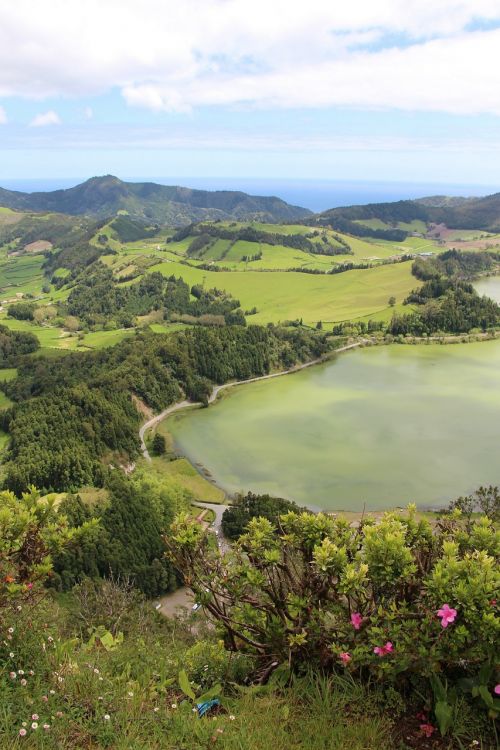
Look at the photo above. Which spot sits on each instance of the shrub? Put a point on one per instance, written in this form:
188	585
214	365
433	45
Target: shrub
397	600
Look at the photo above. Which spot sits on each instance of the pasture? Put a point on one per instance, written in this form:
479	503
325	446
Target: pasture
281	296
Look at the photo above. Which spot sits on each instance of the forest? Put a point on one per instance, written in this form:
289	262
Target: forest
97	299
15	344
72	411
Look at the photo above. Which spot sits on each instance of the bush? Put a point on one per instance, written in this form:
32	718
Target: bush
159	444
397	601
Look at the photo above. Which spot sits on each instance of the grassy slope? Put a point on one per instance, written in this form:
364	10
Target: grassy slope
283	296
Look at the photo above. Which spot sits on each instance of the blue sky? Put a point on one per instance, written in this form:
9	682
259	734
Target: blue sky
387	90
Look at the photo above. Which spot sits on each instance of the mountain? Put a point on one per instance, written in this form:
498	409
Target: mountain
178	206
457	213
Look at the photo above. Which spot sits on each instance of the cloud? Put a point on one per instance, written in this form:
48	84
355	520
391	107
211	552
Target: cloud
169	56
45	118
88	113
3	116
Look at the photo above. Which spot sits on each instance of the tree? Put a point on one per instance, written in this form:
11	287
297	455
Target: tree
392	301
159	444
236	518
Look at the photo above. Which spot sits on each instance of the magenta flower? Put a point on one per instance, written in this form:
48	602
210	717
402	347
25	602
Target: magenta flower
356	620
345	658
447	615
497	689
384	650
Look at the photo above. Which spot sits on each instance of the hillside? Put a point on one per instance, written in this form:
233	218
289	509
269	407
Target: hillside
458	213
174	205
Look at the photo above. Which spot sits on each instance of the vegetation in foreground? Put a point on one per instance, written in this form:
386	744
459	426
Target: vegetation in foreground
99	668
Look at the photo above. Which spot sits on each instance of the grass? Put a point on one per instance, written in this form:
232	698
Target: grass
284	296
187	477
4	440
21	274
128	698
102	339
9	373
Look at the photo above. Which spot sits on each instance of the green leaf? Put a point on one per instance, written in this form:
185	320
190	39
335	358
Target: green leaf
486	695
444	716
438	688
185	685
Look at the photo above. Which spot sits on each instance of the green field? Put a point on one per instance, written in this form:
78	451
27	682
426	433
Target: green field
186	476
21	274
281	296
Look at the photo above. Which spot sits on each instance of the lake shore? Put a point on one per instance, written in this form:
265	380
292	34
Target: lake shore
214	476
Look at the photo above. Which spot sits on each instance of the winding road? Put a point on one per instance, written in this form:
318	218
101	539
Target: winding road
218	388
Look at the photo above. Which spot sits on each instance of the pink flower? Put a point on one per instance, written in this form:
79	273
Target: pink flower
447	615
35	717
383	650
345	658
497	690
427	729
356	620
22	732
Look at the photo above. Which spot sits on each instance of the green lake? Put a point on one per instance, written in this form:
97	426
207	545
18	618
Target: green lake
381	426
490	286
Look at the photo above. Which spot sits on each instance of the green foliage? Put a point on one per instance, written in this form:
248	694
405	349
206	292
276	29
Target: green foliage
235	518
129	545
457	309
366	601
31	531
57	440
159	444
22	310
130	230
74	409
455	264
98	298
15	344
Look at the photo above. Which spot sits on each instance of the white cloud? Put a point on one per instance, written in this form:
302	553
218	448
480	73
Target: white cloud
3	116
45	118
88	113
165	55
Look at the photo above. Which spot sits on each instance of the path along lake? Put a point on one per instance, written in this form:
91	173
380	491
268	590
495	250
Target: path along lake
383	426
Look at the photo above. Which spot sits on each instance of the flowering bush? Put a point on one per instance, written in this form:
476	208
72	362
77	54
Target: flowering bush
397	599
30	531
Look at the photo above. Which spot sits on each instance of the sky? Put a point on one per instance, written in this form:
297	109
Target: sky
375	90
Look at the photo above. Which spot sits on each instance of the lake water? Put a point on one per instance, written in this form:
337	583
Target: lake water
490	286
382	426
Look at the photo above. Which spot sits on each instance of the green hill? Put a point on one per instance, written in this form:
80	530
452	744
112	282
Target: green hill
174	205
459	213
